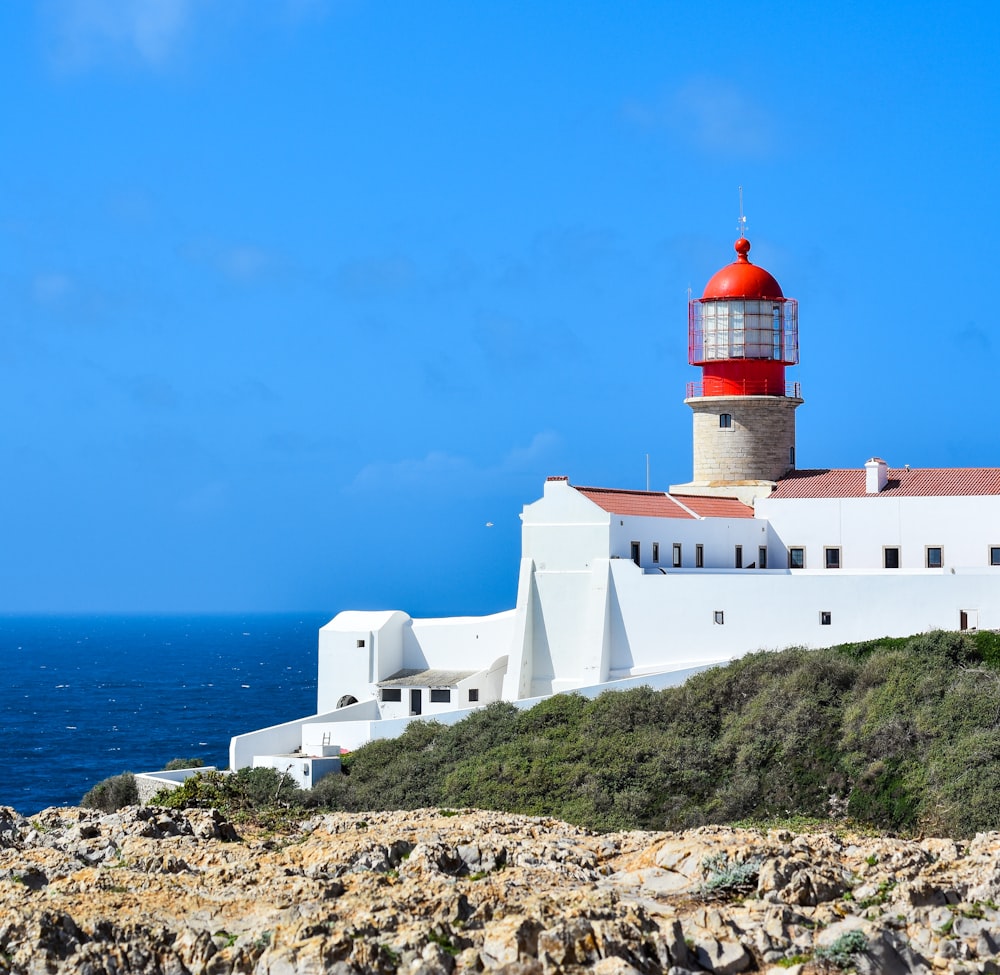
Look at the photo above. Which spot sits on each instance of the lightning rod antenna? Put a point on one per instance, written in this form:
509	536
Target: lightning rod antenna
742	226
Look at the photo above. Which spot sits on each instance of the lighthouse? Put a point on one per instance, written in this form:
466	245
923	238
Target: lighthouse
742	332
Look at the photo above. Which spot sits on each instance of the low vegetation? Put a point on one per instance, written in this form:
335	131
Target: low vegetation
112	793
895	734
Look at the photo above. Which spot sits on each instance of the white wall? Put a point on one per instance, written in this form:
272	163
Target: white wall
284	738
668	621
718	536
457	643
356	649
965	527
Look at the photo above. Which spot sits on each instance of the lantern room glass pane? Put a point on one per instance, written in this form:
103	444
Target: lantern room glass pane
743	329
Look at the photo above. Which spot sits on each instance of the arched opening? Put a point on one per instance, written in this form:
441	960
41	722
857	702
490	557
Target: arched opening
346	700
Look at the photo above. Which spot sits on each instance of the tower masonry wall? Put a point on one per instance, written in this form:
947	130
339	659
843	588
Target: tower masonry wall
757	444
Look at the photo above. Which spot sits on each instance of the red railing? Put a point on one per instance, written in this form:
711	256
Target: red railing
745	387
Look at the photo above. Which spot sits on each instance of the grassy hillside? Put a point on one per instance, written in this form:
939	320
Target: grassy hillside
899	734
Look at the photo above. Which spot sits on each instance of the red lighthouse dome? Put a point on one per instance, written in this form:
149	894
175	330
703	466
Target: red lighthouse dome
741	279
742	331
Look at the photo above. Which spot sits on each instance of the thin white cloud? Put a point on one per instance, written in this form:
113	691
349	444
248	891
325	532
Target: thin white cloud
51	288
85	33
238	262
712	114
438	467
376	277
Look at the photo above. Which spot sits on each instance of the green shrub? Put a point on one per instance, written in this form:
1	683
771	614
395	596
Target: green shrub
841	953
175	764
112	794
263	796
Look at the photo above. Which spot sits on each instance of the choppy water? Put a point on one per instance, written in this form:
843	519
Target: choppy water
82	698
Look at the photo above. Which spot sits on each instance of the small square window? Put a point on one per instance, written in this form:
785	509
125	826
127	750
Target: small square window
725	421
720	617
656	551
995	555
473	694
762	557
935	557
890	557
361	644
831	556
678	560
825	617
739	557
699	556
440	696
796	558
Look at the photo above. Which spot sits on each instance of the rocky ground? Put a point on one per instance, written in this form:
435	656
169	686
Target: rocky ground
435	893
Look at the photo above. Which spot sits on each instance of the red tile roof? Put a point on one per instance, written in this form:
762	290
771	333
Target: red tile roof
657	504
903	482
708	507
653	504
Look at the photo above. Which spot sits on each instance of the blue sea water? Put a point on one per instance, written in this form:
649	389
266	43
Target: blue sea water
85	697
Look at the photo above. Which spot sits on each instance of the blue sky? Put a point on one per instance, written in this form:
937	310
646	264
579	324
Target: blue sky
296	296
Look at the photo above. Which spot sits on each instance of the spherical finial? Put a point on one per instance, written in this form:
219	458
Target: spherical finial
742	249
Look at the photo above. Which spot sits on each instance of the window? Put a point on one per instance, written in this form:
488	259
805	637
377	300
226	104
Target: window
935	556
762	557
791	456
635	552
796	558
677	555
739	557
825	617
441	696
391	694
720	617
831	556
995	555
656	551
725	421
361	644
699	556
473	694
890	557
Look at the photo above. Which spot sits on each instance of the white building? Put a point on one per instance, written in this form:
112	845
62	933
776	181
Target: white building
622	587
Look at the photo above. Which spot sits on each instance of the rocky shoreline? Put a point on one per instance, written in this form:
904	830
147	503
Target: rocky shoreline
434	892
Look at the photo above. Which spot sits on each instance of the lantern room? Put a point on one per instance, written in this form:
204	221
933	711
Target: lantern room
743	332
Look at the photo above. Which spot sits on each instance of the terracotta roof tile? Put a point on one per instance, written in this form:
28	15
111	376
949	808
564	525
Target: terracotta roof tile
657	504
708	507
903	482
652	504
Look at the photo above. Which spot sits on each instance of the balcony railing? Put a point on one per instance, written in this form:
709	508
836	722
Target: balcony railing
744	387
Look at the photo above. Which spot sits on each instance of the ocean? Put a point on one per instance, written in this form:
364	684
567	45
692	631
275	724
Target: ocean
86	697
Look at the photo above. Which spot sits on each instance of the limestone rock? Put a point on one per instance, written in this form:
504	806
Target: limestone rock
170	891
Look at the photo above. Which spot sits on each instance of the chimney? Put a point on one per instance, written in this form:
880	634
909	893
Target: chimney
876	475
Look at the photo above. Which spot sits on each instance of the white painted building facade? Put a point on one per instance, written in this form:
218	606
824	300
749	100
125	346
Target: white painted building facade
618	587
